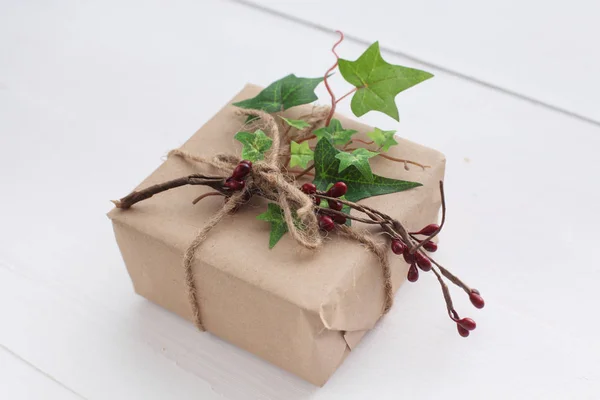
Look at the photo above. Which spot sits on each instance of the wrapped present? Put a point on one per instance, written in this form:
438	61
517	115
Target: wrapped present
302	310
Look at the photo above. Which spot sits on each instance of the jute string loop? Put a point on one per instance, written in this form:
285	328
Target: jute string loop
269	181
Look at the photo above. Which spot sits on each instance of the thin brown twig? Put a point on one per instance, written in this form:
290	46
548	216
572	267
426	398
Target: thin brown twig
346	95
306	172
205	195
311	137
361	141
434	234
215	182
333	102
403	161
447	298
449	275
330	211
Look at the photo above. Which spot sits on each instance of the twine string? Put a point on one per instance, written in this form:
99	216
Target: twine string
268	179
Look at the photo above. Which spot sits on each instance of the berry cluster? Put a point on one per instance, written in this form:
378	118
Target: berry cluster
419	259
416	259
236	181
465	325
327	222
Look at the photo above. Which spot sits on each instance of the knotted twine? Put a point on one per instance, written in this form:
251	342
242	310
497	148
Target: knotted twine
268	180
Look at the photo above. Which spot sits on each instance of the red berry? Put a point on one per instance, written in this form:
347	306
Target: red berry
476	299
309	188
326	223
423	262
335	205
234	184
430	246
317	201
462	331
339	219
409	258
428	230
241	171
413	273
337	190
246	162
397	246
467	323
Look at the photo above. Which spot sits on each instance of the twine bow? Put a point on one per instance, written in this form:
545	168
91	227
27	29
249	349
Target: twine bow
268	180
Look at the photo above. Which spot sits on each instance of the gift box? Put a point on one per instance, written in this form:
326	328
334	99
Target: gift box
301	310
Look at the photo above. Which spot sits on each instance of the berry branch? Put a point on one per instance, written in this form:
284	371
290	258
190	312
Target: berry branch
214	182
402	242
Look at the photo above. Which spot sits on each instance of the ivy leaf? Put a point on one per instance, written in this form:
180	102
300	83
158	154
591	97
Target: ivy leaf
378	82
327	171
334	132
274	215
255	144
296	123
383	139
280	95
301	154
359	158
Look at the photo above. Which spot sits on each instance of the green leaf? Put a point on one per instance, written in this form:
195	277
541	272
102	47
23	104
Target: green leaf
255	144
280	95
334	132
378	82
327	171
301	154
296	123
359	158
274	215
383	139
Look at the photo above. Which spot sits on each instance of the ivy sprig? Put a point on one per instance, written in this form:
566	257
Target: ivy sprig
376	84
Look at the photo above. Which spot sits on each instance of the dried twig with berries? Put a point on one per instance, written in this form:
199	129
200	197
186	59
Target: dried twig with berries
266	169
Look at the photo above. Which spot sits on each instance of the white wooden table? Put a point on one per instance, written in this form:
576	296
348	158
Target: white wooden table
93	94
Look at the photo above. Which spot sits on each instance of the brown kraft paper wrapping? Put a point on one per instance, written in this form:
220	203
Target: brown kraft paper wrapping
301	310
